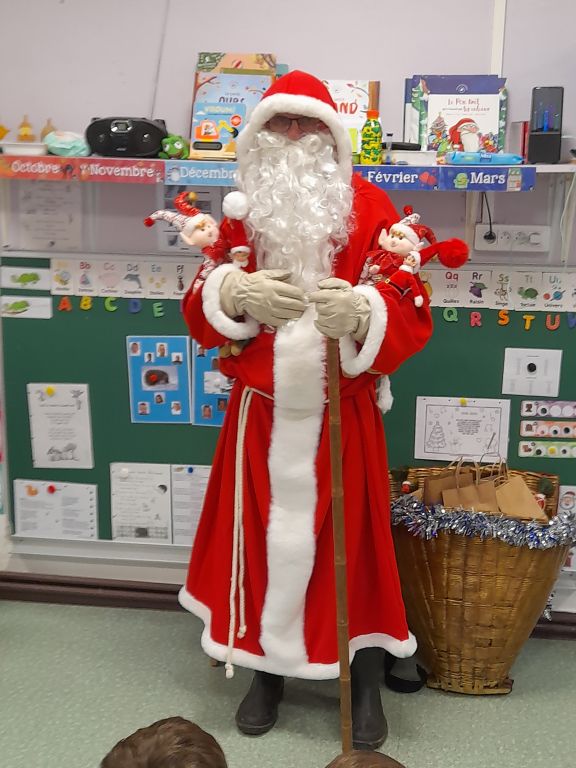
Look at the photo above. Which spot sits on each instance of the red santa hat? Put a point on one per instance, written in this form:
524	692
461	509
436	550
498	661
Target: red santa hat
296	93
451	253
464	123
189	215
412	229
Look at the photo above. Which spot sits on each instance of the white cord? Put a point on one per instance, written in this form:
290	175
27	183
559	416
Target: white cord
238	559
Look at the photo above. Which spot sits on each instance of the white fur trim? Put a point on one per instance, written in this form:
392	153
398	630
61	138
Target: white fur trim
218	319
240	249
291	545
303	669
235	205
418	301
297	105
356	362
384	393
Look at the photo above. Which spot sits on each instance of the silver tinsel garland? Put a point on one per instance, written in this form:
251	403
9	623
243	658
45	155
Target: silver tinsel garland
428	522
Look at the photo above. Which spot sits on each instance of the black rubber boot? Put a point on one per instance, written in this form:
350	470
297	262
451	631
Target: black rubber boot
369	726
258	711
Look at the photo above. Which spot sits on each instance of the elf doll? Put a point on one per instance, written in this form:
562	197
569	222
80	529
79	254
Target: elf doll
201	230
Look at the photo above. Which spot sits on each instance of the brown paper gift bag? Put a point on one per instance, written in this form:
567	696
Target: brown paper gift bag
479	496
515	499
434	485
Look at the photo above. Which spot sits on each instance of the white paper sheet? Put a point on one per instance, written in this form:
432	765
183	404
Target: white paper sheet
55	510
60	425
141	502
531	371
50	216
189	483
450	427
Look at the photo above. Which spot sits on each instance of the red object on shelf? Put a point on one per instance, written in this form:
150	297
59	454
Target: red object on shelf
51	489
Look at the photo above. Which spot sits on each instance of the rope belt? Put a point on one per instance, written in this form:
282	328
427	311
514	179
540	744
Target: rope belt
238	554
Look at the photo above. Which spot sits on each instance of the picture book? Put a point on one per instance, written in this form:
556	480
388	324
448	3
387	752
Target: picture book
353	98
261	63
222	105
456	112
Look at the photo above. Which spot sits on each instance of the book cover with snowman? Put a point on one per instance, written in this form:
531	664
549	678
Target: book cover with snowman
465	113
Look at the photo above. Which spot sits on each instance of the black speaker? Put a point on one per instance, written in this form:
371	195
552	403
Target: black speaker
545	137
125	136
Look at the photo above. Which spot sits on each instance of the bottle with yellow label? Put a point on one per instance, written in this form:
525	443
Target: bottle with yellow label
371	148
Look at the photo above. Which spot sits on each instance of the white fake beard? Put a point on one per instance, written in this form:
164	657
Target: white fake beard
299	204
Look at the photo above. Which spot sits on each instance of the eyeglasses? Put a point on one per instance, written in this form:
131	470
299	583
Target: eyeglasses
283	123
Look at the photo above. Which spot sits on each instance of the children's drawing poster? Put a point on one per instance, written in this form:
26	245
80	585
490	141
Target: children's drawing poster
60	426
141	502
159	377
211	388
450	427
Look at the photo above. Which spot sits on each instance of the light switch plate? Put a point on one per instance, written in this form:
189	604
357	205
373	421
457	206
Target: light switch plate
532	371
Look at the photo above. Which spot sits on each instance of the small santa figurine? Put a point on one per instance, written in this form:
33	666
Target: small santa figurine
465	135
201	230
403	279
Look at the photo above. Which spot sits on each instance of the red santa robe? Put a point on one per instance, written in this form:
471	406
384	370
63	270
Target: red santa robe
272	467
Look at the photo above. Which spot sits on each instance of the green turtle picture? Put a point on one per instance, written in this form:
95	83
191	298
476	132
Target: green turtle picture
26	278
528	293
461	180
16	307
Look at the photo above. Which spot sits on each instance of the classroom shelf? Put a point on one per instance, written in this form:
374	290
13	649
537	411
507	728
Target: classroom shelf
441	178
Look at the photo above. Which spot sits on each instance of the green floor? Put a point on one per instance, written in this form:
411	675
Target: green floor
75	680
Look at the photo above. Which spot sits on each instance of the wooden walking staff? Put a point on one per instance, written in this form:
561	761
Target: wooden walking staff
333	369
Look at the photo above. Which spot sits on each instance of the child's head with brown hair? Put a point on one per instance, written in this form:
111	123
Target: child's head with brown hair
357	759
171	743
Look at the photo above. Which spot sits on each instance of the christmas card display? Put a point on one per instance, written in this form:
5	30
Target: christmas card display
353	98
448	113
222	106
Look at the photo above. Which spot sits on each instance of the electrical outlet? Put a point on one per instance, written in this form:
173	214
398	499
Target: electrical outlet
513	237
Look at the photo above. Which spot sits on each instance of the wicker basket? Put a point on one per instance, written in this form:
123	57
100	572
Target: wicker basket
472	604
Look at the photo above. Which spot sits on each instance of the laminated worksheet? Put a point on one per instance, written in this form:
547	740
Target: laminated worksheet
60	426
141	502
55	510
450	427
189	483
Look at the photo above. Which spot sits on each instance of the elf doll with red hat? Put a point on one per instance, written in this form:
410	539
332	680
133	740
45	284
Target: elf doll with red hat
261	575
201	230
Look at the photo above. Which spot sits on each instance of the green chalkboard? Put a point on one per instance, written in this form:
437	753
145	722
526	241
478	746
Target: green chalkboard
90	347
466	361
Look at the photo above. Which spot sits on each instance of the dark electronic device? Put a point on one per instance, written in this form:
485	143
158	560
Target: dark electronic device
545	137
125	136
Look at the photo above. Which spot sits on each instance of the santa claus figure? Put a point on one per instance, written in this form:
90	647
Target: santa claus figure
465	136
261	575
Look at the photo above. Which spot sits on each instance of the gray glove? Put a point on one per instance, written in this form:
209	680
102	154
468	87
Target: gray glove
264	295
340	310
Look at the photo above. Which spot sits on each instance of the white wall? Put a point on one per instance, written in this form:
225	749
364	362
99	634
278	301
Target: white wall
80	59
540	49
